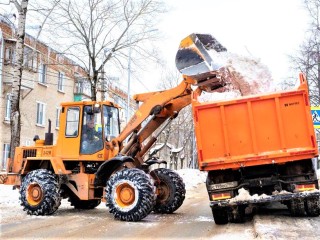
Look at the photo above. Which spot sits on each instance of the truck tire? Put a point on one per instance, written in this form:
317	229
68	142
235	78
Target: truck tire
238	214
297	208
171	191
84	204
220	215
312	207
130	195
40	193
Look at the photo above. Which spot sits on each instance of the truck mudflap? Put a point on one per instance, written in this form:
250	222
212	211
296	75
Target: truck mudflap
265	199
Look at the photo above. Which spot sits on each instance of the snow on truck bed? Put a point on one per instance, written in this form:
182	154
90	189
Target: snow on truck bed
243	75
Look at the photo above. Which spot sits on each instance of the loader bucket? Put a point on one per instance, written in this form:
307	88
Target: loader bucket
195	58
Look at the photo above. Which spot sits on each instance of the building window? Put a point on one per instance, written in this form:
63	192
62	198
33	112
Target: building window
58	110
5	155
43	73
28	142
61	81
8	108
30	59
41	113
83	87
9	55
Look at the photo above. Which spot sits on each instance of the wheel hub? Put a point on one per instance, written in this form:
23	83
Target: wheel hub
34	194
163	192
125	195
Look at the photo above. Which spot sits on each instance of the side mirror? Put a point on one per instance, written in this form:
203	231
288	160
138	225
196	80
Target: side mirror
96	108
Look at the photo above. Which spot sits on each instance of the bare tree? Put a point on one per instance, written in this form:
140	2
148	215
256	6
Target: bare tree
179	133
308	58
94	32
15	122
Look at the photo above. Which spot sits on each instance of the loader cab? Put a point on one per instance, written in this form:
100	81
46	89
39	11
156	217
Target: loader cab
100	123
85	127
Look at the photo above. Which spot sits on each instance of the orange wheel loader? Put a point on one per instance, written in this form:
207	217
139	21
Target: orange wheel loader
92	160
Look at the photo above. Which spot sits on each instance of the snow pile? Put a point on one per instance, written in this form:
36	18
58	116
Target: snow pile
192	177
243	76
244	195
9	197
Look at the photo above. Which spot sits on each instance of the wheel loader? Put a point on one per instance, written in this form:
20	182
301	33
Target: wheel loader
88	167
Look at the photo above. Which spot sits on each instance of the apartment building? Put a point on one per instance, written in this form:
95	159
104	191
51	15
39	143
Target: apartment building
48	79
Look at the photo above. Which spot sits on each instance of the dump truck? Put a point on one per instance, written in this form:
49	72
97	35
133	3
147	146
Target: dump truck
258	149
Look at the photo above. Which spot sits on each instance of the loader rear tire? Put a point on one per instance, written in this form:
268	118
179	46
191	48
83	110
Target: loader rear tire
84	204
130	195
171	191
40	193
220	215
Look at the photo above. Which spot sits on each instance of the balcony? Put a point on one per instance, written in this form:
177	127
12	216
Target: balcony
82	89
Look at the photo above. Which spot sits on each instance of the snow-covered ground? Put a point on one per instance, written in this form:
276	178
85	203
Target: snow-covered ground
192	177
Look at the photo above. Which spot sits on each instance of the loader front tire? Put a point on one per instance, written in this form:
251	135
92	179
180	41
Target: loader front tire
171	191
130	195
40	193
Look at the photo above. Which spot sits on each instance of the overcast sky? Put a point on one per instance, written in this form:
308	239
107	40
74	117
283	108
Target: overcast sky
266	29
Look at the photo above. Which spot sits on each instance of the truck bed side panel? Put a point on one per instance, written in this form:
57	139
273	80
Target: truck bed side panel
254	130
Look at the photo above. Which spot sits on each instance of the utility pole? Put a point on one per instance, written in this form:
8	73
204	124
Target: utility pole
103	90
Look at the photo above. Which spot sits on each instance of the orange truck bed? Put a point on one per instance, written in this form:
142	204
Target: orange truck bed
255	130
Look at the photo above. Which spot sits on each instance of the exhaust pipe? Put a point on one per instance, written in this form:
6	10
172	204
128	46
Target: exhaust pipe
48	139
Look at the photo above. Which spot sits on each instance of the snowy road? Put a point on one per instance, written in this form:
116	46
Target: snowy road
192	221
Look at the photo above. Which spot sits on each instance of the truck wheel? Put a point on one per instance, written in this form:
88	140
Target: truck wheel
220	215
84	204
130	195
296	207
238	214
171	191
313	207
40	193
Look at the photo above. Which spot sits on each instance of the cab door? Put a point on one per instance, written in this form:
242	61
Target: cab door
69	133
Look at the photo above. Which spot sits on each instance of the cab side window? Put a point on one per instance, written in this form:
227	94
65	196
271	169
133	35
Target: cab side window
72	124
